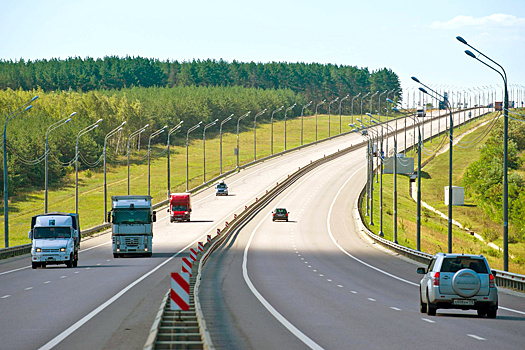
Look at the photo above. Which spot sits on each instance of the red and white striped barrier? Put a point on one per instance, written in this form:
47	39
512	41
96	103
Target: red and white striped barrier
208	238
180	291
234	216
186	265
201	246
193	254
226	224
218	231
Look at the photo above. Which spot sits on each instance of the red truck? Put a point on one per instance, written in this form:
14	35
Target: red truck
180	207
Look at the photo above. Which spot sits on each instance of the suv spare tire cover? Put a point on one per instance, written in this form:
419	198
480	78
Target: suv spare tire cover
466	283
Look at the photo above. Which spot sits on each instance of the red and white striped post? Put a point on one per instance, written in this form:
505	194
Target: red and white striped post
180	291
208	238
201	246
186	265
218	231
193	254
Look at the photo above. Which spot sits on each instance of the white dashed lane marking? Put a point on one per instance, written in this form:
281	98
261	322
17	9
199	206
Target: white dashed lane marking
46	282
371	299
28	288
395	308
476	337
6	296
427	320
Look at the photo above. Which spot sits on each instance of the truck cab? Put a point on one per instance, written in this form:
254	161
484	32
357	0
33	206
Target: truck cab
55	239
132	221
180	207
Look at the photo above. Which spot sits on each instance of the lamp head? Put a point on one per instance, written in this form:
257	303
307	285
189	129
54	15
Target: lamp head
72	114
368	114
461	40
123	123
468	52
34	98
395	109
98	121
389	100
28	107
68	120
423	90
351	125
416	80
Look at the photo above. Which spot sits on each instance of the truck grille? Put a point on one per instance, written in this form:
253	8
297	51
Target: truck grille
132	241
50	250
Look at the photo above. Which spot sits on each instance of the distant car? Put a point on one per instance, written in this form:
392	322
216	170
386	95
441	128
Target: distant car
458	281
221	189
280	214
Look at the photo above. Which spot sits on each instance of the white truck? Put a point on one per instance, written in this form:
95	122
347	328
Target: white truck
132	221
55	239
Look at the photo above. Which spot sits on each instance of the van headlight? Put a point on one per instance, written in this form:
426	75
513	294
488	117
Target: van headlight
38	250
62	249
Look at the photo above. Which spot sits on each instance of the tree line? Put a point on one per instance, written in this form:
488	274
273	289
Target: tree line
483	179
315	81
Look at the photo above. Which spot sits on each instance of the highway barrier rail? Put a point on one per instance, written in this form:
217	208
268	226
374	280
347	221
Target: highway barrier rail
161	336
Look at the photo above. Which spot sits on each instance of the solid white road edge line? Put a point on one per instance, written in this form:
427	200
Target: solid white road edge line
296	332
329	227
59	338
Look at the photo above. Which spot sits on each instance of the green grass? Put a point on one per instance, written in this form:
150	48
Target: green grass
91	195
434	234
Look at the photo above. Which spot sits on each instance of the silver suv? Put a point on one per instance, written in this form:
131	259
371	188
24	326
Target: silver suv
458	281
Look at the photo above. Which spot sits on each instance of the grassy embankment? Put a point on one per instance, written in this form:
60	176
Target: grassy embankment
434	234
91	195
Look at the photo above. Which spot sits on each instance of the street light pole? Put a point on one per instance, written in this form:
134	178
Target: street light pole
285	112
503	75
329	114
352	106
451	143
49	129
173	130
204	148
379	104
271	122
371	99
187	153
129	138
316	106
255	133
302	115
362	97
340	102
153	134
220	136
25	107
80	133
108	135
238	121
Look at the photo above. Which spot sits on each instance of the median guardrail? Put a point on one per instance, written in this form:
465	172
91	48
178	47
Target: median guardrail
250	210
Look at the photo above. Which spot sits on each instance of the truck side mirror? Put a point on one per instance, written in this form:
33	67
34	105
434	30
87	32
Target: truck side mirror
109	216
154	216
29	235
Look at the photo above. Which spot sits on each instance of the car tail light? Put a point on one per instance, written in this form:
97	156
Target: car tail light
491	281
435	278
273	214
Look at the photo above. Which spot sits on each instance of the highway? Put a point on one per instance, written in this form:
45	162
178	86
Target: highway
109	303
316	282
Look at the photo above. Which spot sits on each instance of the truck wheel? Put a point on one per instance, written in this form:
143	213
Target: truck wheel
115	255
34	265
75	262
69	264
43	265
149	254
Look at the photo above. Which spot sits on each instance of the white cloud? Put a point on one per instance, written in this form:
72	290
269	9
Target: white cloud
497	20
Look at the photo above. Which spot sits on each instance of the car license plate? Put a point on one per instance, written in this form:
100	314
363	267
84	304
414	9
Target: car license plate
463	302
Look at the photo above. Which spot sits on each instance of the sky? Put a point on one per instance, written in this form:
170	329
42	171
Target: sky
413	38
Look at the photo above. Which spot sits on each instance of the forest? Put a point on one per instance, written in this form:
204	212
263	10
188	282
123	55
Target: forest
144	91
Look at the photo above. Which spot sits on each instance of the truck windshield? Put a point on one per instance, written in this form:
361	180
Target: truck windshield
180	207
221	186
136	216
52	232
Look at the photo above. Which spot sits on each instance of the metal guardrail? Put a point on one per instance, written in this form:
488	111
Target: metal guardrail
218	240
26	248
503	279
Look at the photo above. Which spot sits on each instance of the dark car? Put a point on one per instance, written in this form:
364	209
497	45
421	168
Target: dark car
280	214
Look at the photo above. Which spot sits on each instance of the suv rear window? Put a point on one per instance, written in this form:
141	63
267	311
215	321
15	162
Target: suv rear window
280	211
455	264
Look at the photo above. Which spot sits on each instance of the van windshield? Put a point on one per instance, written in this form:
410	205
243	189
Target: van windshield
52	232
135	216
